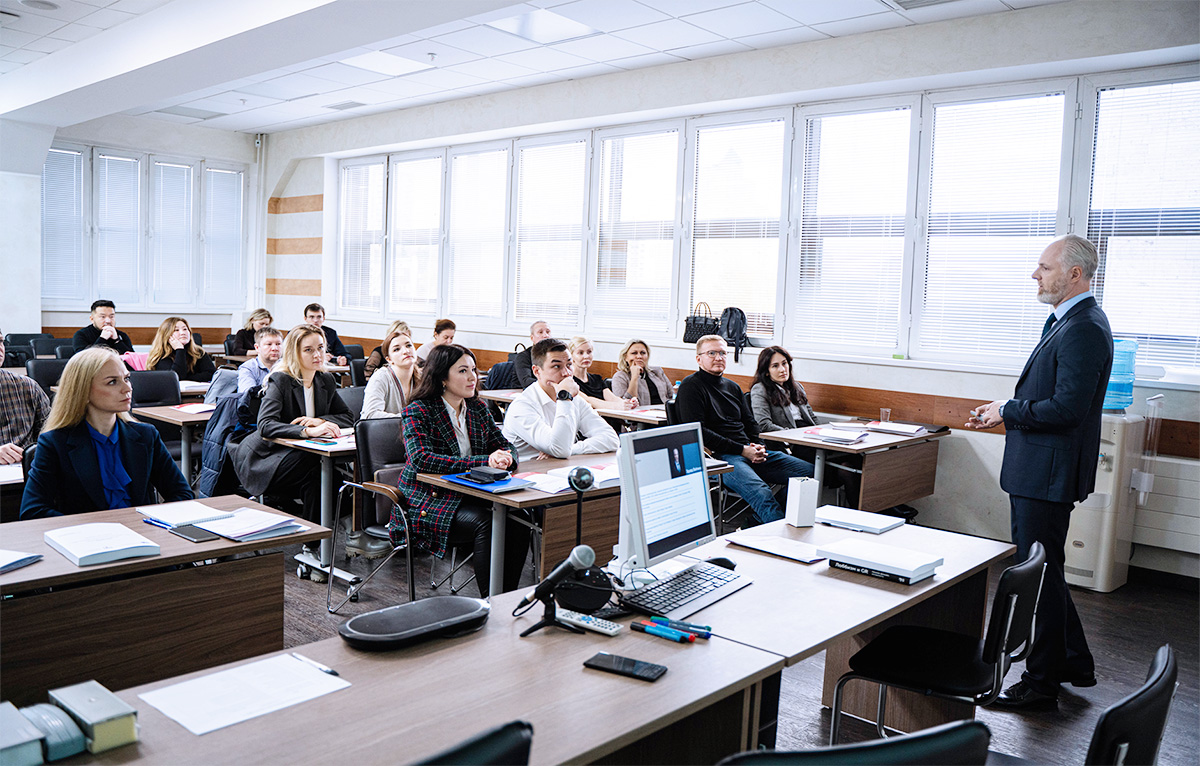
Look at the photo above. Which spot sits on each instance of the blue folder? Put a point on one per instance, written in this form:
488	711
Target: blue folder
496	487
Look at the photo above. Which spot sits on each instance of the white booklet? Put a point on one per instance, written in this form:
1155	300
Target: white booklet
99	543
605	475
10	560
248	524
171	515
859	521
544	482
840	435
885	558
777	546
892	427
193	386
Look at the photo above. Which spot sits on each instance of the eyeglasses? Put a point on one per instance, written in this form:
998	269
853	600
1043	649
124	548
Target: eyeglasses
716	354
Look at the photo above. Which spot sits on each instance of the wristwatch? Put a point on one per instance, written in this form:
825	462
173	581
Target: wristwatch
564	396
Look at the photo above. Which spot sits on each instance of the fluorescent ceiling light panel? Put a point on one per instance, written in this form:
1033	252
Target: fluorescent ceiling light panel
187	111
386	63
543	27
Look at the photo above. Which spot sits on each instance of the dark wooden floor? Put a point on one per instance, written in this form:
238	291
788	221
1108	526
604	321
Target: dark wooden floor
1124	629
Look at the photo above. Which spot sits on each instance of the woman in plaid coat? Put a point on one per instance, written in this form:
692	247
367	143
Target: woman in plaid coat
448	430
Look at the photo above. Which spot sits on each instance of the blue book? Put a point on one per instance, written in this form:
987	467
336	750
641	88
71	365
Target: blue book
495	487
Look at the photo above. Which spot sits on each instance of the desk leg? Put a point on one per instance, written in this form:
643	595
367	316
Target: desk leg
325	562
819	467
185	452
499	523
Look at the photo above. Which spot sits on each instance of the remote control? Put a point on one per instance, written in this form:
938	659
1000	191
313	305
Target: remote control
588	622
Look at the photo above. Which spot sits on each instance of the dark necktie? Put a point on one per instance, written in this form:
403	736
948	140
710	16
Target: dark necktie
1050	320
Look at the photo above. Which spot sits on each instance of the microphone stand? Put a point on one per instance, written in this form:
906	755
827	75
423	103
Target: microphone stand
549	618
580	479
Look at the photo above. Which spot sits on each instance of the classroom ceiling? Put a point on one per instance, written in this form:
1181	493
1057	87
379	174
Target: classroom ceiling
273	65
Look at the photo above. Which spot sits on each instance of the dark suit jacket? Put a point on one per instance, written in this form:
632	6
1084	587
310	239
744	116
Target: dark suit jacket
432	447
1053	419
65	475
523	367
89	336
333	344
255	460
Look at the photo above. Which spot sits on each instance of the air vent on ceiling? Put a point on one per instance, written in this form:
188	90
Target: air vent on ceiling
908	5
345	105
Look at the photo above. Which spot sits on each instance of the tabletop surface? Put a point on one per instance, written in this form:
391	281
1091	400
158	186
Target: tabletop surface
874	440
168	413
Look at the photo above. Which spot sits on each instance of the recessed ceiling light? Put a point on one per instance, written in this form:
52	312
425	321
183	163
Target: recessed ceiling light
41	5
543	27
386	63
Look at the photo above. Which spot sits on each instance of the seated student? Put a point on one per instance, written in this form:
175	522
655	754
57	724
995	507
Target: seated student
173	349
523	363
547	418
443	335
268	347
447	429
103	330
245	338
718	405
25	407
376	358
636	379
389	392
314	314
300	401
92	455
591	386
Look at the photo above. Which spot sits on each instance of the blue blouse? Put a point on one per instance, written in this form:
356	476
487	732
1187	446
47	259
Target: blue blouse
112	471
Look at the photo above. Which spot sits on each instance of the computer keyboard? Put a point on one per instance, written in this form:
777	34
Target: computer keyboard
685	592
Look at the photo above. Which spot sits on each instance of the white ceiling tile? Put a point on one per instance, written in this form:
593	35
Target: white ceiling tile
543	59
669	34
67	10
5	50
484	88
491	69
176	118
74	32
391	42
858	26
485	41
610	15
442	29
402	87
956	10
333	58
361	93
786	37
106	18
602	48
446	55
679	8
1031	3
34	25
502	13
8	66
444	79
708	50
23	56
547	3
820	11
137	6
231	102
344	74
742	20
291	86
541	78
47	45
588	70
650	59
15	38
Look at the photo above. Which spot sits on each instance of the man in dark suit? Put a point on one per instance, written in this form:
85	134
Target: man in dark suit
103	330
1050	454
314	314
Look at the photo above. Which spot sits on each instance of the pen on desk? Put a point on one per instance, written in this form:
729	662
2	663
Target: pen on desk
700	631
663	632
315	664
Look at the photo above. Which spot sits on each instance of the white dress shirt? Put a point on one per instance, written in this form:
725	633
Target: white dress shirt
458	419
536	423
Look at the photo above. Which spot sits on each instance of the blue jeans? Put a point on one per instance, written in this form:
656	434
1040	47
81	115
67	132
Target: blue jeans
751	480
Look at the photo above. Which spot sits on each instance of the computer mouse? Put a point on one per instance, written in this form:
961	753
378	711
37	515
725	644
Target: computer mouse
722	562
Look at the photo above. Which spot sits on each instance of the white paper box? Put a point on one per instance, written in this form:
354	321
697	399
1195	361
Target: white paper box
802	497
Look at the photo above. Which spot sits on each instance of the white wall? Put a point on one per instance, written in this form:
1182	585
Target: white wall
22	152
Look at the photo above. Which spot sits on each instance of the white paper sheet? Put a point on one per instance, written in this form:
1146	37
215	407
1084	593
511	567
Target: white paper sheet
231	696
11	474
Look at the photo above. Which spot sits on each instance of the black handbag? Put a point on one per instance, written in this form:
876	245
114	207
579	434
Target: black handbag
698	325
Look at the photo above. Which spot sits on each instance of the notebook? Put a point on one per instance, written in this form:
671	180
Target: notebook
171	515
99	543
859	521
249	524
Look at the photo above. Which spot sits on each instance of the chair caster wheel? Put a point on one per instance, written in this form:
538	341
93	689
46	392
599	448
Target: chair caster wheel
316	575
302	571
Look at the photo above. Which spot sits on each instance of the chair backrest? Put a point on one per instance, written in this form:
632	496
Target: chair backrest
380	444
504	745
962	743
1015	607
64	352
1130	730
358	372
49	346
27	460
17	356
353	397
224	382
500	376
229	341
154	388
198	339
672	412
45	372
354	351
24	338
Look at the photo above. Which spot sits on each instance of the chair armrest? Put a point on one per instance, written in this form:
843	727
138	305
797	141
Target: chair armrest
392	493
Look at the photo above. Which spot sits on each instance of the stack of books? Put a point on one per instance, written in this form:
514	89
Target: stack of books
841	435
887	562
894	427
249	524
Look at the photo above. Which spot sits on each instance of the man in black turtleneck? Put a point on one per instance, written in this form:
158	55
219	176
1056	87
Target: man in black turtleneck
729	430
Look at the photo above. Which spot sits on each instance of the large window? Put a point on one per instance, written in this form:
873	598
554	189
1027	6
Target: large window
146	231
360	241
476	248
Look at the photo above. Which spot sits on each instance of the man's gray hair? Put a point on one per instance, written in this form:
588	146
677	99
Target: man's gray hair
1078	251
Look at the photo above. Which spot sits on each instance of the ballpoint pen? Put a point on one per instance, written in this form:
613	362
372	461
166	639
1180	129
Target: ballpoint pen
315	664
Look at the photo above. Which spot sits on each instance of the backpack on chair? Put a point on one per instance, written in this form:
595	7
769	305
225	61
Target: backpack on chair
733	329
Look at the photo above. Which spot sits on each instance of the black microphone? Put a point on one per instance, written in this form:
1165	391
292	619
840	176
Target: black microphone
582	557
581	478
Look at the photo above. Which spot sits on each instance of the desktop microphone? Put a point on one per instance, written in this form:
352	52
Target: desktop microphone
582	557
581	478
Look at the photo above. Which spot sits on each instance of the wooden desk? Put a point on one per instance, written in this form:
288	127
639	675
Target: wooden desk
501	395
138	620
653	415
896	469
708	704
797	610
17	371
185	420
12	474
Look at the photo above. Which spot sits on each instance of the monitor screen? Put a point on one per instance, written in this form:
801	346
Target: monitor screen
666	507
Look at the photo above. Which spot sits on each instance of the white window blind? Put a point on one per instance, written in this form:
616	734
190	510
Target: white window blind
63	273
636	238
223	206
478	230
118	185
171	234
416	210
1145	218
360	285
735	227
550	228
852	226
993	200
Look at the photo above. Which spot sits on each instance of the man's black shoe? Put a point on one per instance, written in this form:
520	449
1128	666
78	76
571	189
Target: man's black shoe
1022	696
1083	681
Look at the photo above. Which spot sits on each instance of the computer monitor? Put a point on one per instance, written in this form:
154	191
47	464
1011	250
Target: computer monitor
665	505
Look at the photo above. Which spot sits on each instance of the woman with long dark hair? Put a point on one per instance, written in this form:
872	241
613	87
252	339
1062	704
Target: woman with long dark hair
173	349
447	429
776	399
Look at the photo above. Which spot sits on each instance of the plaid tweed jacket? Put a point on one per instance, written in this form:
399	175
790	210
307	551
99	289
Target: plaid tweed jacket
432	447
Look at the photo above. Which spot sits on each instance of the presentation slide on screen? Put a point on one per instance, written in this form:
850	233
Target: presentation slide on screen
673	497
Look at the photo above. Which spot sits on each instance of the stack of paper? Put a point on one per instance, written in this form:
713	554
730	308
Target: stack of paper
171	515
840	435
886	562
99	543
848	425
10	560
544	482
859	521
249	524
194	409
776	546
193	386
604	475
893	427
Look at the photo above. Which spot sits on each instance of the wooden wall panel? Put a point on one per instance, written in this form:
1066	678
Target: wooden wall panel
308	203
144	336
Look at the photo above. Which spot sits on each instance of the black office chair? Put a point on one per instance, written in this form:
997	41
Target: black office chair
961	743
197	339
158	388
353	397
380	452
27	460
24	338
358	372
354	351
506	745
50	346
940	663
45	372
229	341
17	356
64	352
1131	730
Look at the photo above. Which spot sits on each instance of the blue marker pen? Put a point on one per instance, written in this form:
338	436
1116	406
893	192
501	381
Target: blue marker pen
662	632
700	631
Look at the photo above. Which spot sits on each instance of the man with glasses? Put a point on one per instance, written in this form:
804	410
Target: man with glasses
731	434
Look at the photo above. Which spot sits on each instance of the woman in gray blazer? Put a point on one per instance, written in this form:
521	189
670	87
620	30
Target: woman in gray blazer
636	379
776	399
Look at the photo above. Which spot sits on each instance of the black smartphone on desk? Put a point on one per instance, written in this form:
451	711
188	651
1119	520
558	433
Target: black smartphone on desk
625	666
194	533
